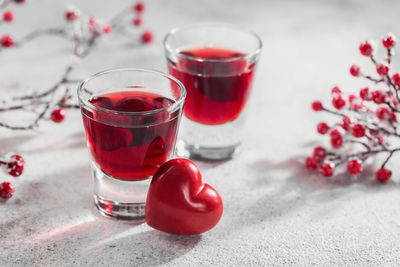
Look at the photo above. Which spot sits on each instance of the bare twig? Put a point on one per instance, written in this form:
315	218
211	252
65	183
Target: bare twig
83	46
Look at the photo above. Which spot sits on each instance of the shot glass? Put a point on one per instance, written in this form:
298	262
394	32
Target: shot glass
131	119
216	64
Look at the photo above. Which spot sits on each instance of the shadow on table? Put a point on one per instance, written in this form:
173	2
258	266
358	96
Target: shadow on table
204	164
74	141
53	195
165	248
289	186
8	144
57	218
148	248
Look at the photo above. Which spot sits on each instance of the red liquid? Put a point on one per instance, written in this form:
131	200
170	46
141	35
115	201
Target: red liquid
130	147
217	91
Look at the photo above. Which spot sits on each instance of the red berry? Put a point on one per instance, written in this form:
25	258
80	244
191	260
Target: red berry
364	94
107	29
147	37
389	41
383	174
355	70
346	123
15	166
358	130
392	98
381	113
20	1
355	102
6	190
319	153
382	69
379	138
139	7
393	116
338	102
336	90
322	127
72	15
58	115
378	97
352	97
327	168
336	138
6	41
354	166
137	21
317	106
8	16
92	21
311	163
366	48
396	79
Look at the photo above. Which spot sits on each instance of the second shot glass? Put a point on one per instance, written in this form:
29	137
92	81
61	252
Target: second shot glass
216	64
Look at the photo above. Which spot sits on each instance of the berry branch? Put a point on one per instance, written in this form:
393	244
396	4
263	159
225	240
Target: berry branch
368	120
84	32
14	166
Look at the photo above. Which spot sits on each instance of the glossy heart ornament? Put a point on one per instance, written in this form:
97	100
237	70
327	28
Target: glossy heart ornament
179	203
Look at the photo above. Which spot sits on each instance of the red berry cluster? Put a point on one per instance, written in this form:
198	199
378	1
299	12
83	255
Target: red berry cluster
6	40
367	120
95	27
14	165
138	8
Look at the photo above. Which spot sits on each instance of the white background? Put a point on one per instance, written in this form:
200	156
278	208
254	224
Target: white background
276	212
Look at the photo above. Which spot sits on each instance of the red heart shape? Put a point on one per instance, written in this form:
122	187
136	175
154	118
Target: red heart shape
179	203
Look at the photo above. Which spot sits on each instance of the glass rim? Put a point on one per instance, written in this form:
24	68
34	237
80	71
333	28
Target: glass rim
174	106
176	30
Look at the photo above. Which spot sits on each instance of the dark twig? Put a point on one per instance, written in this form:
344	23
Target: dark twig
39	33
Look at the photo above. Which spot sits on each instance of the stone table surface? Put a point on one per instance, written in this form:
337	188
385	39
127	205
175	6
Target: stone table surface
276	212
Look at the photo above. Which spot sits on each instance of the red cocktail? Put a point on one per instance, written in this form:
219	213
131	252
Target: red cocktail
130	147
218	87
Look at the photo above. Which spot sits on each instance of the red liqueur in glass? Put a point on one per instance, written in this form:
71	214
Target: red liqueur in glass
128	145
217	81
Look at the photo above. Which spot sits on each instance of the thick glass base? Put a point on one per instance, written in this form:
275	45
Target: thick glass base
187	150
124	211
117	198
210	142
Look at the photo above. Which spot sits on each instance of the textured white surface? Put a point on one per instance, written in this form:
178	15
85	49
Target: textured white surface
276	212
